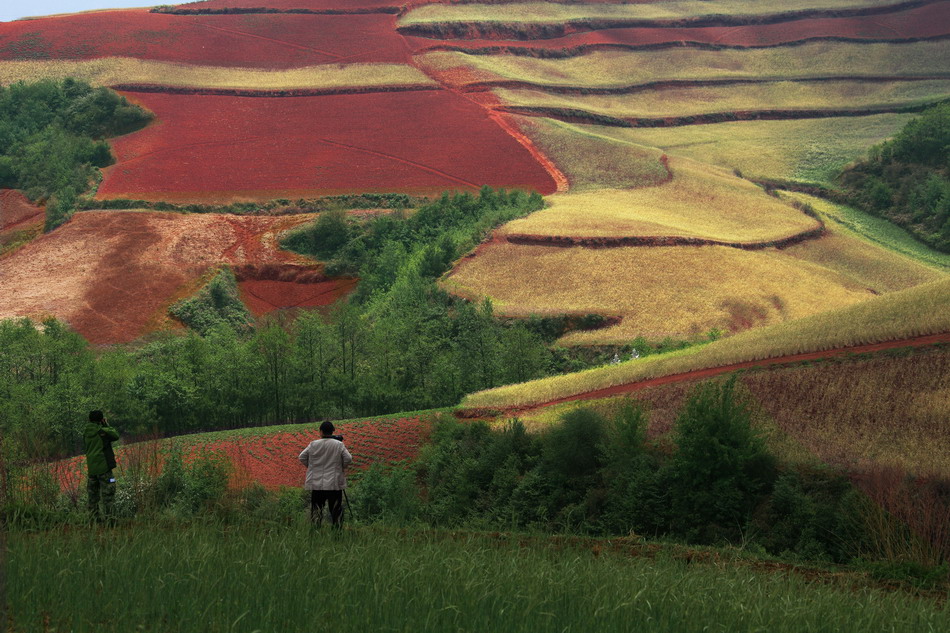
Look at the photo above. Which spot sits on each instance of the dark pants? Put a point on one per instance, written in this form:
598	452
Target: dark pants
101	486
319	498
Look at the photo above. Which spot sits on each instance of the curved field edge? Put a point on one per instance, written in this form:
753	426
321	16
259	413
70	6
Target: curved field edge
873	229
915	312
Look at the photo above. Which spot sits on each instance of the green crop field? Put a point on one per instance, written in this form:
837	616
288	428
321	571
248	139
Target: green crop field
684	101
916	311
808	150
172	578
613	69
700	202
591	159
556	13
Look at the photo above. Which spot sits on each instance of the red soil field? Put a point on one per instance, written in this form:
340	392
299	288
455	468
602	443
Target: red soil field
222	148
928	21
112	275
253	41
310	5
263	296
270	460
16	211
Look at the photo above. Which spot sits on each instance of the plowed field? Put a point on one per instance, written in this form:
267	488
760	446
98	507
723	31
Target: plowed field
263	296
112	275
224	148
927	21
284	5
16	211
256	41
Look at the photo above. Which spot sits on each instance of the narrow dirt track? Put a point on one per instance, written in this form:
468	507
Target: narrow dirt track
698	374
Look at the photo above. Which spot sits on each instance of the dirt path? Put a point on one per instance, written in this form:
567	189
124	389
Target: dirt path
698	374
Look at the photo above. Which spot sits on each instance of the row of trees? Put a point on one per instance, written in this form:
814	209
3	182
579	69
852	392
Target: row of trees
400	344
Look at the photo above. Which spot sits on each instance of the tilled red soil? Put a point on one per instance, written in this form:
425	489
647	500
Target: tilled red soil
111	275
16	211
256	41
263	296
223	148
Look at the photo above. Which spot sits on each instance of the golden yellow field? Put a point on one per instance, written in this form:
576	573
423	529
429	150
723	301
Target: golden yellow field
592	160
112	71
917	311
777	95
659	291
614	69
700	201
811	150
552	12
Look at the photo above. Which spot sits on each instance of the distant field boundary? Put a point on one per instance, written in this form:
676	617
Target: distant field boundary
584	49
563	241
573	115
291	92
516	84
697	374
172	10
514	30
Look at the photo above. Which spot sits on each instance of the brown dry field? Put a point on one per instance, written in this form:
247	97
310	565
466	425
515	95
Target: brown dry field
886	409
112	274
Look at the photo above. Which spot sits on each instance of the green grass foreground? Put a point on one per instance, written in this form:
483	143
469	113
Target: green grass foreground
208	577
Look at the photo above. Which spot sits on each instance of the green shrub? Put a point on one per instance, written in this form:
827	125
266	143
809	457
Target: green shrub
721	468
217	303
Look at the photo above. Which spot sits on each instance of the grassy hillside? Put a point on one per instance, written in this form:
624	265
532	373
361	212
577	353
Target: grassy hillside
249	577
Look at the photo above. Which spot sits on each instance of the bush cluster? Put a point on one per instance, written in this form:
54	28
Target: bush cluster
599	475
52	139
217	303
907	179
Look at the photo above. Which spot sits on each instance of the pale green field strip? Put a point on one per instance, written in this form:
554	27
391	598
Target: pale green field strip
620	69
541	12
917	311
681	101
592	160
876	230
806	150
700	201
112	71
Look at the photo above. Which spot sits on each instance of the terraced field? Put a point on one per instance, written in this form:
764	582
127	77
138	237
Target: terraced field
639	120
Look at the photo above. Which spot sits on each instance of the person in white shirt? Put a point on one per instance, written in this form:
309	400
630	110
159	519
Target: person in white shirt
325	459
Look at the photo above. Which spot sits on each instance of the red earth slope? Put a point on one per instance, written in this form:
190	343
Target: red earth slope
111	275
223	148
250	41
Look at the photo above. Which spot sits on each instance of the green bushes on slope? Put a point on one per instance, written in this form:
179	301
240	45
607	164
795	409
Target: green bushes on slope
52	139
907	179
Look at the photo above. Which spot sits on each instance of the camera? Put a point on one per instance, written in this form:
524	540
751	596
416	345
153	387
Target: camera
338	438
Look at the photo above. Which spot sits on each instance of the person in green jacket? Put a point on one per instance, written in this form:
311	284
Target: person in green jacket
100	460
